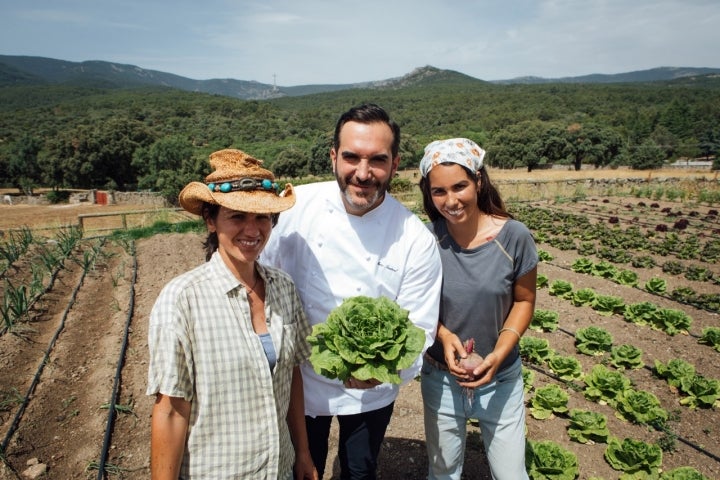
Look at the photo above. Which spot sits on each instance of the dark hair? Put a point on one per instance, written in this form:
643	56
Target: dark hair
489	200
368	113
211	243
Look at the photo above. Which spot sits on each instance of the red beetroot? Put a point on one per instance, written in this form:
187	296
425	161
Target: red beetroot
472	361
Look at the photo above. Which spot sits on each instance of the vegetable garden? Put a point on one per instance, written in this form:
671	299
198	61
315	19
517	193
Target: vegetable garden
622	362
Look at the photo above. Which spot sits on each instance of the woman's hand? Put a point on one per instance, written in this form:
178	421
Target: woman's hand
484	372
304	468
452	350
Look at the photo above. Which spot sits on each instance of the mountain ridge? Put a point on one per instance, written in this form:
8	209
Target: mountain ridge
30	70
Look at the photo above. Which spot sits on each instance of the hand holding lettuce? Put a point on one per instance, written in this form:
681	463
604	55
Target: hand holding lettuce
365	338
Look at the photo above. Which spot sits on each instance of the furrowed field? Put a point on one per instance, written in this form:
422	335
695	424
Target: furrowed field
622	361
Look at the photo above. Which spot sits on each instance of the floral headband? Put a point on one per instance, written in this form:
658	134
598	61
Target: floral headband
462	151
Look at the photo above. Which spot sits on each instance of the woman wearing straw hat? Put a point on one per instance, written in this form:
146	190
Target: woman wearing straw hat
226	339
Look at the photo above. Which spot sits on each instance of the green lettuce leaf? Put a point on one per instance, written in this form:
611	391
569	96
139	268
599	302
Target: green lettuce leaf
365	338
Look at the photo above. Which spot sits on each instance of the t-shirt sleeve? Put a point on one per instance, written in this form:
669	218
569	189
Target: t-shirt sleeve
526	251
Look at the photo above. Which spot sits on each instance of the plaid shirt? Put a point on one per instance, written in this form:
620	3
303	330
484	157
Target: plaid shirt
203	349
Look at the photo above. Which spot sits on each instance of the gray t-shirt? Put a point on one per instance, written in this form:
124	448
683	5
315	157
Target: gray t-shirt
477	292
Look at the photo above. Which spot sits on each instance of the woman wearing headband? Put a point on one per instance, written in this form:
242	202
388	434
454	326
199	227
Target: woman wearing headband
226	339
488	296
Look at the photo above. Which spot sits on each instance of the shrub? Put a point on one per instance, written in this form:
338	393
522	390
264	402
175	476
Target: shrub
57	196
400	184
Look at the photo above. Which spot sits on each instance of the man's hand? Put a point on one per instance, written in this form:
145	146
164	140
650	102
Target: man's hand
361	384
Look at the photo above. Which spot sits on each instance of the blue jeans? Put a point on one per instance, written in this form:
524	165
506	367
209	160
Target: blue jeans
498	406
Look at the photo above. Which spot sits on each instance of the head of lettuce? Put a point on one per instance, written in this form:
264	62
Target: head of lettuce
365	338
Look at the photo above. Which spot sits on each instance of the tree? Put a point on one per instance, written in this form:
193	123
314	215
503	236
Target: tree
611	144
517	145
678	118
291	162
689	148
154	162
665	140
646	156
101	156
169	182
319	162
554	145
23	169
592	144
579	144
410	152
709	143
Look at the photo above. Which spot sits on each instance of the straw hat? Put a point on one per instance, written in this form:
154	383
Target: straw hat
239	183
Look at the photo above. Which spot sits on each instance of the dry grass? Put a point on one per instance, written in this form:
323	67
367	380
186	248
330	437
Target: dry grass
557	175
520	185
44	220
514	185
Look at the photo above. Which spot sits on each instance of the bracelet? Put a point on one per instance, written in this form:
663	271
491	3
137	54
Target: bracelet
509	329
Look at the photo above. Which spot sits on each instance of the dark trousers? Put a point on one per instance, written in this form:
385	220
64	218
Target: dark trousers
360	438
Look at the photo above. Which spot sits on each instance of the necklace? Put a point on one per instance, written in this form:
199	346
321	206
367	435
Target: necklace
251	289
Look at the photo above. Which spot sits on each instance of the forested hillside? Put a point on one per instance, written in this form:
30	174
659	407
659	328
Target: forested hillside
158	139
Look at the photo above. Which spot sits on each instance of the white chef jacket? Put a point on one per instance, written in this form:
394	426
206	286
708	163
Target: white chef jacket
332	255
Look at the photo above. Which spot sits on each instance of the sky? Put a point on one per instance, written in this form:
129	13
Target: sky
289	43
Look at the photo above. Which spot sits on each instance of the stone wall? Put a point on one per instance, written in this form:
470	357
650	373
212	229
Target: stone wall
150	199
